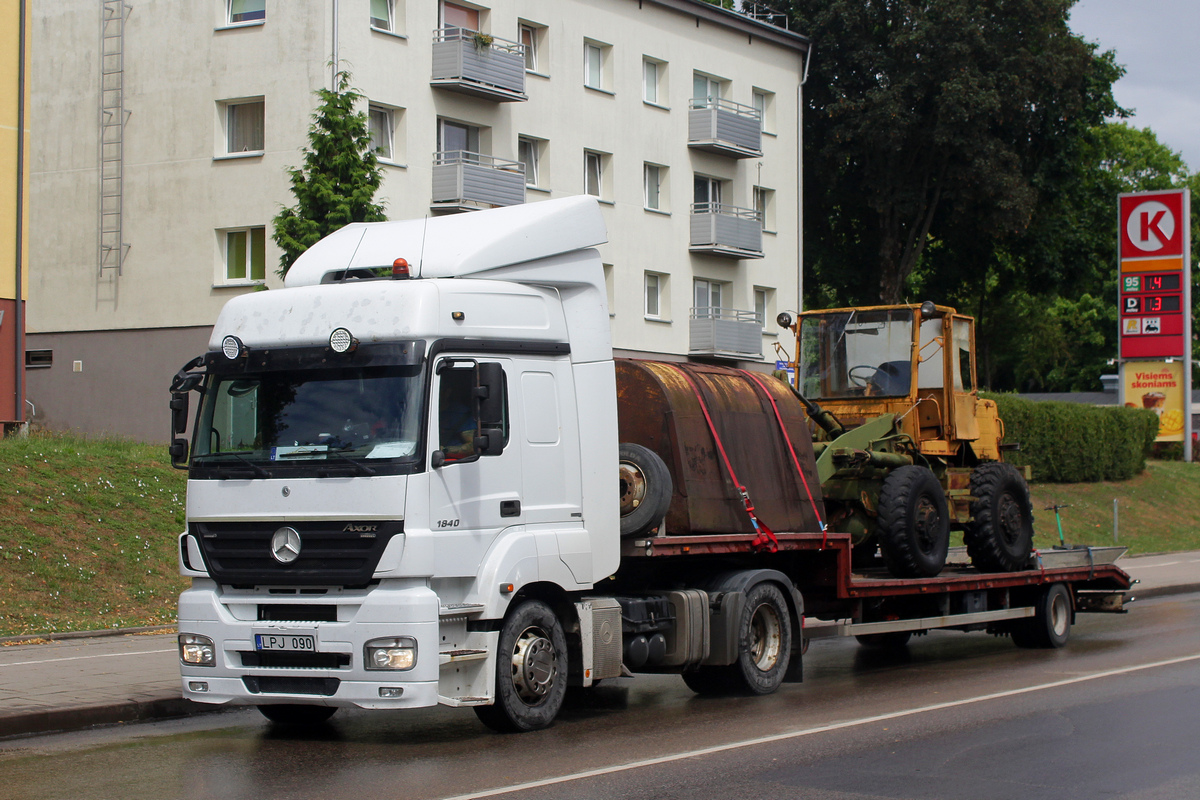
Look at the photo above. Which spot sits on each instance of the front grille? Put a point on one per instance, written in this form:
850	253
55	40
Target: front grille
292	660
272	684
288	612
239	553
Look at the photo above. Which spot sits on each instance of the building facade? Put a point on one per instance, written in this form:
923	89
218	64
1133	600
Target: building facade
163	133
14	195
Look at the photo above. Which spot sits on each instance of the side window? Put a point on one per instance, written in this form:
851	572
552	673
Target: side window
963	372
458	411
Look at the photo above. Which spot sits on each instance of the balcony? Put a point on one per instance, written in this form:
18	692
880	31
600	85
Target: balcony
466	181
725	333
477	64
724	127
726	231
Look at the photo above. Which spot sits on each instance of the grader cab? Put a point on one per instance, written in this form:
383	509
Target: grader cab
906	449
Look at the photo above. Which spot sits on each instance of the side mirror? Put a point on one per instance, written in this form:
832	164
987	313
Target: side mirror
179	453
179	412
490	442
436	459
489	389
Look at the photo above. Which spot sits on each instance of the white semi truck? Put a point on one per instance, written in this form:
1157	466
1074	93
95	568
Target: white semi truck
417	476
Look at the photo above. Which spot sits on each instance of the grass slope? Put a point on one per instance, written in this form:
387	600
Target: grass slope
88	528
87	534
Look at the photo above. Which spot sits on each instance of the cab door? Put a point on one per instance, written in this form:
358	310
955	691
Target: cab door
473	495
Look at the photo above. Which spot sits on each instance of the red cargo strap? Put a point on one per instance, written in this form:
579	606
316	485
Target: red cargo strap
765	537
792	451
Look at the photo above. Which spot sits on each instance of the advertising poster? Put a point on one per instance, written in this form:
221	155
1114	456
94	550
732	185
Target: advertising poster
1158	385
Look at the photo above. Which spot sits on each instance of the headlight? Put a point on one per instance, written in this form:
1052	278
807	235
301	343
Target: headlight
196	650
397	652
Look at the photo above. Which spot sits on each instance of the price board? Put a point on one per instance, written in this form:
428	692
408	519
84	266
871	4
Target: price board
1154	271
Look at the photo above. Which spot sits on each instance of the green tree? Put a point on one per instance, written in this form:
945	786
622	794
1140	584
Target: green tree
936	121
339	178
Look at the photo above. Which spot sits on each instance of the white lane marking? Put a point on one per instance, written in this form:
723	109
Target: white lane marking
80	658
1164	564
782	737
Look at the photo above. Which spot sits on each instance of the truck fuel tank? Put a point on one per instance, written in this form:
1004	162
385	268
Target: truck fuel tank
658	408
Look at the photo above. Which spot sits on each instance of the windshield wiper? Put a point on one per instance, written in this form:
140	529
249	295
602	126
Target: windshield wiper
359	467
258	471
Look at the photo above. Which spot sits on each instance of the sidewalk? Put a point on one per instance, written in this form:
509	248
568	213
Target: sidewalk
72	684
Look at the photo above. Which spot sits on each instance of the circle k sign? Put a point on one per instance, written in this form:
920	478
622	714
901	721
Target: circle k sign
1152	224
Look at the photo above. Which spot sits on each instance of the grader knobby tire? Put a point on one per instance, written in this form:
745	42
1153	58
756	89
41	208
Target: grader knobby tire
914	524
999	537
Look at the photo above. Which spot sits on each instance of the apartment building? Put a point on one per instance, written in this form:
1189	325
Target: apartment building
162	132
14	193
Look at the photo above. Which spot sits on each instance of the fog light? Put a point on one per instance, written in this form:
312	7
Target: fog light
232	347
391	691
198	686
397	652
196	650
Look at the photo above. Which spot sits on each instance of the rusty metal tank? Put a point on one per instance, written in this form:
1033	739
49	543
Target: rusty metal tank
657	408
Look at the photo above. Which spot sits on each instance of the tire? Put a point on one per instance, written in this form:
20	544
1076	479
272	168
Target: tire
1050	627
764	641
914	524
999	537
297	715
893	640
531	671
646	489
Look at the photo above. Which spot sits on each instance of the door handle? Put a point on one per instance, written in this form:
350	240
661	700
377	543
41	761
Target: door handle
510	508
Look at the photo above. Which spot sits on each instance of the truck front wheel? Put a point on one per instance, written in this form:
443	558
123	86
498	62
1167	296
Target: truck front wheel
999	537
914	524
531	671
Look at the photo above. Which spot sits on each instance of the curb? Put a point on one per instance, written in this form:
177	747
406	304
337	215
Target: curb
58	720
1162	591
53	637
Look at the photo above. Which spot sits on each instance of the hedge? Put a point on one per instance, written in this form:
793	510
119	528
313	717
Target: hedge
1076	443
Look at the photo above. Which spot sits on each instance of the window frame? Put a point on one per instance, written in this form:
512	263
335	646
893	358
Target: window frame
531	46
659	83
389	116
597	79
764	203
260	19
767	110
596	157
391	20
712	289
226	239
659	198
710	81
532	165
229	120
659	283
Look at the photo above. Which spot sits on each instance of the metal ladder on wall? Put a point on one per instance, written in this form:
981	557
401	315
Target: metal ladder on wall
112	247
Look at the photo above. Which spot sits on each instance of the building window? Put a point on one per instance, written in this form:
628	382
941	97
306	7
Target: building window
764	204
244	126
706	193
706	88
655	288
762	305
245	255
529	153
652	175
456	16
764	101
455	136
595	65
708	296
39	359
593	173
383	129
238	11
529	37
383	15
653	81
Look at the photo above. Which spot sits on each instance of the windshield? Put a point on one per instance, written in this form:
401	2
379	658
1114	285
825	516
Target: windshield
856	353
358	417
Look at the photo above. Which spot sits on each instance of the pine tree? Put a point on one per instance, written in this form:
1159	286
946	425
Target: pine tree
339	178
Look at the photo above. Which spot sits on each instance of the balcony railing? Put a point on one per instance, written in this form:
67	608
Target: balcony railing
478	64
724	127
464	181
725	333
726	231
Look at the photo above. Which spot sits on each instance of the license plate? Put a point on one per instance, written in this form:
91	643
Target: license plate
285	641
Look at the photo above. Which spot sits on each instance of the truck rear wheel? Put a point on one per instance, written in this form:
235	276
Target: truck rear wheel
297	715
646	489
531	671
1050	626
764	649
999	537
914	524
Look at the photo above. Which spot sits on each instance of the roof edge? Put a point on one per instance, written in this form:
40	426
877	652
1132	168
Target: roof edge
732	19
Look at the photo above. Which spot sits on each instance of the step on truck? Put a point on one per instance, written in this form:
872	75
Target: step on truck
417	476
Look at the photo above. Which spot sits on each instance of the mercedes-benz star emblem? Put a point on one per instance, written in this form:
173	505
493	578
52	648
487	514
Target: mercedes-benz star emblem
285	545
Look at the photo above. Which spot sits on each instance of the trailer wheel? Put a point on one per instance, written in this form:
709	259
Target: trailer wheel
531	671
914	524
999	537
297	715
1050	626
893	640
646	489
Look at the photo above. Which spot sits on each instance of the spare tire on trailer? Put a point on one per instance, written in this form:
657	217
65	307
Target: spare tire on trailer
999	537
646	489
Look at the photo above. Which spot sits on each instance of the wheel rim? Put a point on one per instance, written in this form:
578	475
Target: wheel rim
1010	520
534	665
1060	615
927	523
766	637
633	488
